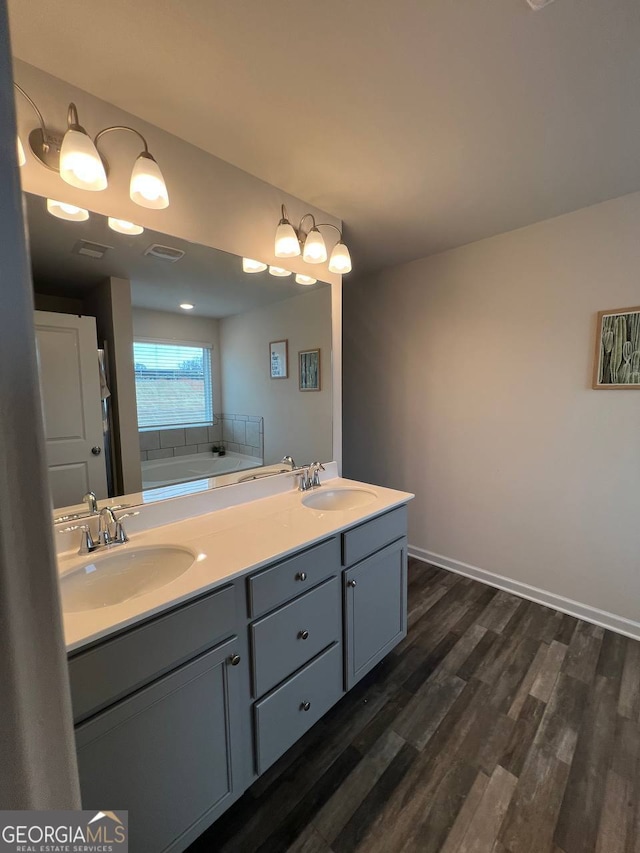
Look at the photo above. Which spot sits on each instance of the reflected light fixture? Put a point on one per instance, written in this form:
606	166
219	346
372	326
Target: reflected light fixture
77	158
186	306
80	163
70	212
279	271
305	279
124	227
311	242
251	266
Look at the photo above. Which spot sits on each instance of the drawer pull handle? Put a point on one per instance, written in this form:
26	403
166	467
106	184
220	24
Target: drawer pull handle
234	660
303	635
305	706
301	576
351	583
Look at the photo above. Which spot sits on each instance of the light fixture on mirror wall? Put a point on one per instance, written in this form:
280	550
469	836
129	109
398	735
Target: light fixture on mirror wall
75	156
251	266
291	242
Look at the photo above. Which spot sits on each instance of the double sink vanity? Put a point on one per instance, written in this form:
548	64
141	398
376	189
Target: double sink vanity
210	642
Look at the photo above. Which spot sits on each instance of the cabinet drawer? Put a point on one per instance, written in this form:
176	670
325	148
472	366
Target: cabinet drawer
285	640
275	585
281	718
373	535
117	667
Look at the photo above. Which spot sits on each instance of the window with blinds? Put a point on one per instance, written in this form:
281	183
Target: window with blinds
173	385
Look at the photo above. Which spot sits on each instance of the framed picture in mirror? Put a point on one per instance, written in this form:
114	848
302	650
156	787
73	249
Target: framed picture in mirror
279	359
309	369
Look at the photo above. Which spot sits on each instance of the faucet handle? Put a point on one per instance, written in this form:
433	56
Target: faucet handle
87	544
314	473
304	483
120	534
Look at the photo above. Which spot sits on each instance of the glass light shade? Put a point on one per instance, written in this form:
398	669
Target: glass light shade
305	279
147	187
315	251
67	211
287	245
340	261
20	151
279	271
80	163
124	227
249	265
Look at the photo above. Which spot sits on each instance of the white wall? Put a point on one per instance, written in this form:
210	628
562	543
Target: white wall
296	423
467	380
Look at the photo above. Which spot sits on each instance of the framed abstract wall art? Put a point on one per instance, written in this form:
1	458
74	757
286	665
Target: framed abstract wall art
617	357
309	369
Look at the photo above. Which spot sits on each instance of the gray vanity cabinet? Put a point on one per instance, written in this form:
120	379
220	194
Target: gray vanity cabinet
375	592
169	754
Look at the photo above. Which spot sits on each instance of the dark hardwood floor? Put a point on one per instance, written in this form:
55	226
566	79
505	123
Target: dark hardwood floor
497	726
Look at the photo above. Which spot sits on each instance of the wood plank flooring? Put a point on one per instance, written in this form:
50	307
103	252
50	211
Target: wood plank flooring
497	726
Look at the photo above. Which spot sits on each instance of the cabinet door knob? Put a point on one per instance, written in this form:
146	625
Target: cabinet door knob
301	576
304	706
234	660
303	635
351	583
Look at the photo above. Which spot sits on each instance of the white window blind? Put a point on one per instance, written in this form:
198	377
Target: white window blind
173	384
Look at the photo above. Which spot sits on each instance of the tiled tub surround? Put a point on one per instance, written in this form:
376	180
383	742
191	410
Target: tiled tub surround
238	433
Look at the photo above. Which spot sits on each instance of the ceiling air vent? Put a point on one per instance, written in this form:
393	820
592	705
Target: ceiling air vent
165	253
90	250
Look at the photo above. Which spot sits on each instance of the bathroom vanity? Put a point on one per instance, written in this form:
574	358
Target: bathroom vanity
177	711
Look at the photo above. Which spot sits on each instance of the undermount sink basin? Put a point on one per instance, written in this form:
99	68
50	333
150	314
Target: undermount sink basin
337	499
116	577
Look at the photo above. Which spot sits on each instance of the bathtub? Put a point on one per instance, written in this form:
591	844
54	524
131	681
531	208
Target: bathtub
218	470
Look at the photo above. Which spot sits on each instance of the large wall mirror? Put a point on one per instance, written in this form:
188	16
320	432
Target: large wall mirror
144	395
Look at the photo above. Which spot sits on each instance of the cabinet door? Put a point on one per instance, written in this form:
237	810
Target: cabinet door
169	754
375	609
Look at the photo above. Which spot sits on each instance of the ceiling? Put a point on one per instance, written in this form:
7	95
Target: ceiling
213	281
423	124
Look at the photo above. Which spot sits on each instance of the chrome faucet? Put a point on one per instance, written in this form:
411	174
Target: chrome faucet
92	502
110	531
288	460
309	476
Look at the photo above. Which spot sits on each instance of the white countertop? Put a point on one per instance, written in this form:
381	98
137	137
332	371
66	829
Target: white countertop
228	543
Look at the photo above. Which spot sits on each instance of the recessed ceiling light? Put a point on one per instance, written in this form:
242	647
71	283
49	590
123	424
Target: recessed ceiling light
67	211
186	306
124	227
279	271
249	265
305	279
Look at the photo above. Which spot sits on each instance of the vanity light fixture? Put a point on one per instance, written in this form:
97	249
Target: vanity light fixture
311	242
80	163
124	227
187	306
76	157
70	212
305	279
279	271
251	266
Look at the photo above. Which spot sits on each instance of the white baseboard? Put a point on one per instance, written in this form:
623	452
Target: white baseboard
619	624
